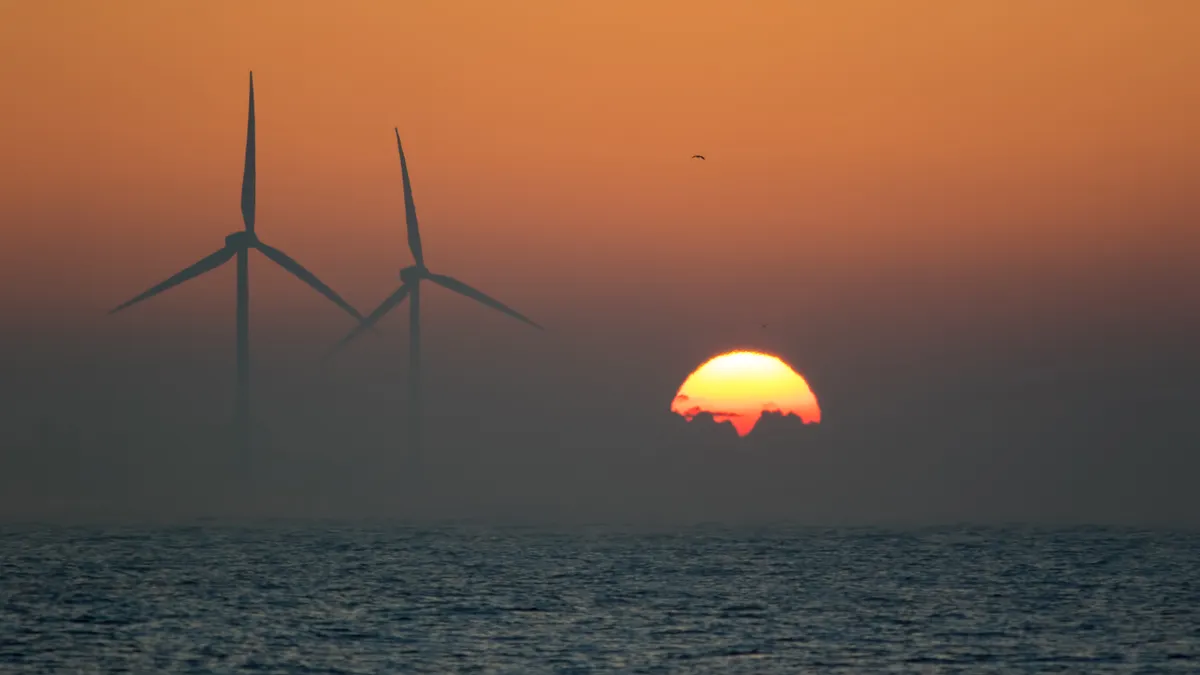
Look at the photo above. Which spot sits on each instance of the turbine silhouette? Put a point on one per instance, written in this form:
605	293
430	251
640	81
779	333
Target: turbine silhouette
410	286
239	244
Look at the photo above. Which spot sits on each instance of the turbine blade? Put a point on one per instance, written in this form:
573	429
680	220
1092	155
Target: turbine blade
461	288
206	264
410	209
369	323
283	260
249	173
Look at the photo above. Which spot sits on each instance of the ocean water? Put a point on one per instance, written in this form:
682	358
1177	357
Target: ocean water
449	599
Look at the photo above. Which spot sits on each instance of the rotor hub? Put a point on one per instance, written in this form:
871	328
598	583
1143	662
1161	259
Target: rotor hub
411	274
240	239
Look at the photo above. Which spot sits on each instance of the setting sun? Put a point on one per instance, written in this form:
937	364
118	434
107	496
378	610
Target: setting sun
739	386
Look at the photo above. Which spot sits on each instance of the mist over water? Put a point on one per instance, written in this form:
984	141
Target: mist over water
561	428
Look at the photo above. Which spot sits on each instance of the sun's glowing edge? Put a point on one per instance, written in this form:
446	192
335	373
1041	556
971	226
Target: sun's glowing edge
740	385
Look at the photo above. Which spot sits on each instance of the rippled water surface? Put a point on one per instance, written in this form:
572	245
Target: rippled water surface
321	598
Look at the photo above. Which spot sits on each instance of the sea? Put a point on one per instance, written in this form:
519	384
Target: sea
322	597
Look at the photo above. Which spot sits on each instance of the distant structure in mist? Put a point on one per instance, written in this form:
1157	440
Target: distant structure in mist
239	244
410	278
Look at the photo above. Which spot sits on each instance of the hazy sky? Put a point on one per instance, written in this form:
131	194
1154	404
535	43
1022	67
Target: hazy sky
973	227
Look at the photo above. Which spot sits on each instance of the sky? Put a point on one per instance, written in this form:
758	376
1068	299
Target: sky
972	227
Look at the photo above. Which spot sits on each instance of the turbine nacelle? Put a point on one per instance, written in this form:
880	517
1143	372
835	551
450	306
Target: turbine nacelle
241	239
411	273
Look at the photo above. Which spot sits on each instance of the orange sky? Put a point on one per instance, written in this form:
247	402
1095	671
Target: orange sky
550	140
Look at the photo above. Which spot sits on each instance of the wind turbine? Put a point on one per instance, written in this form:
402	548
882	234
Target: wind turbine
410	285
239	244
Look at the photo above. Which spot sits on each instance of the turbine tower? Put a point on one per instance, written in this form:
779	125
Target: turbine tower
239	244
410	285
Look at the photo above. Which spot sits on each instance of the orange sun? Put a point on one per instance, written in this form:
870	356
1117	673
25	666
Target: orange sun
738	386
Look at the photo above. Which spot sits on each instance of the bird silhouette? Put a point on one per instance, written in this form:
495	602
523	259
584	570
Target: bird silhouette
697	156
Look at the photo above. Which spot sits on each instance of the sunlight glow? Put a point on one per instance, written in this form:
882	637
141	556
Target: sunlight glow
738	386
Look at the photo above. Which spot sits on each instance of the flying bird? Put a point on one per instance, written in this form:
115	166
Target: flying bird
410	287
697	156
238	245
